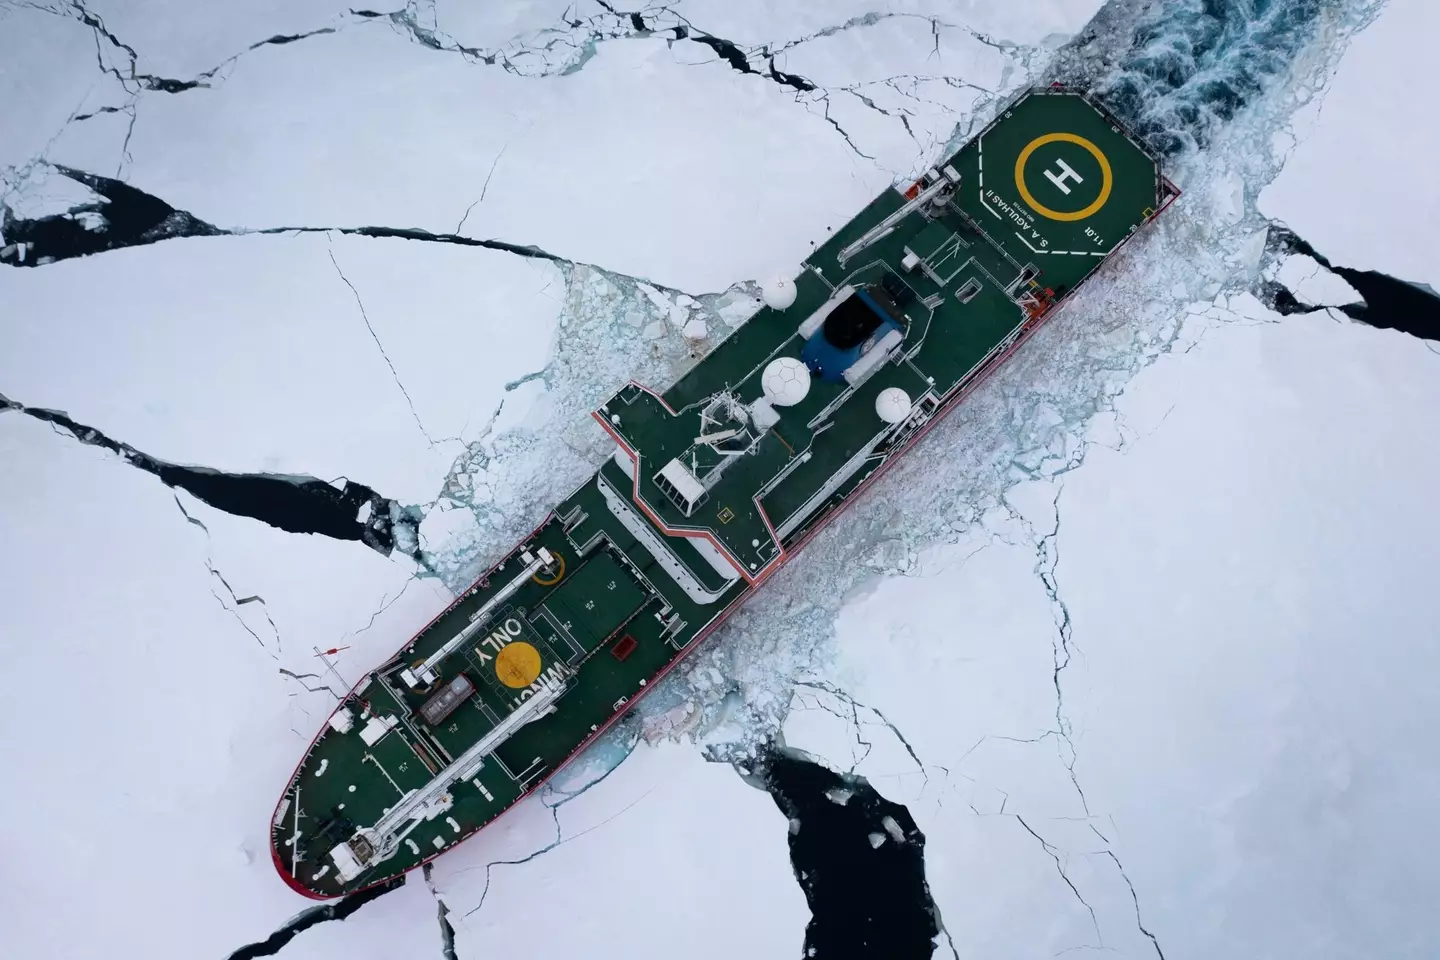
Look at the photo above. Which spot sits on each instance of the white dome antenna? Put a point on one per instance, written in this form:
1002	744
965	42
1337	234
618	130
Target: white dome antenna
779	293
892	405
785	382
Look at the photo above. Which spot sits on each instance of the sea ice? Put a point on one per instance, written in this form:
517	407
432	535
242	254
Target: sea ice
1358	186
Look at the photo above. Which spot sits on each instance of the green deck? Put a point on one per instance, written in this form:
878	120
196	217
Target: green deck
1045	194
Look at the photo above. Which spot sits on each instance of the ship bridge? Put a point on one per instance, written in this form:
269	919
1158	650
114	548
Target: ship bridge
707	473
892	318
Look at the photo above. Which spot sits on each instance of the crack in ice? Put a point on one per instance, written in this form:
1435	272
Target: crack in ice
300	678
1386	302
142	81
447	930
845	697
1047	548
840	130
293	503
560	839
132	217
1060	868
236	602
385	602
1134	898
484	188
340	909
395	374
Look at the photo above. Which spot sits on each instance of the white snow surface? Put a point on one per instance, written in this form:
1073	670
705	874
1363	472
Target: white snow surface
167	724
360	149
325	139
253	353
669	855
1358	183
1241	571
1312	284
1245	689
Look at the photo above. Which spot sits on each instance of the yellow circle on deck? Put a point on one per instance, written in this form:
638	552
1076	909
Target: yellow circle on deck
1106	177
517	664
559	572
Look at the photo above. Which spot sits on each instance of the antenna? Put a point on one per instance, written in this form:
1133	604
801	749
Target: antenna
778	293
892	405
785	382
324	656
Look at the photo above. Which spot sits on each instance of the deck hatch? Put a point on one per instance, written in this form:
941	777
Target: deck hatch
448	700
595	601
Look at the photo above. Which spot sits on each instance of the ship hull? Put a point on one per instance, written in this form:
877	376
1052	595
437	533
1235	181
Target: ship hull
746	588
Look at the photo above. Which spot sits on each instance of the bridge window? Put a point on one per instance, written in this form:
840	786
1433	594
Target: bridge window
680	485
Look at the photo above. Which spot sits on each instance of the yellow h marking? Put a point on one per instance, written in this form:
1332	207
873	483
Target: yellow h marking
1106	177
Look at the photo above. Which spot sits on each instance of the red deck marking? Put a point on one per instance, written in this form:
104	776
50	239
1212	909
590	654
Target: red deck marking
624	647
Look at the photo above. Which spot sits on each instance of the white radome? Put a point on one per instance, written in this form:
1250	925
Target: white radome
892	405
778	293
786	381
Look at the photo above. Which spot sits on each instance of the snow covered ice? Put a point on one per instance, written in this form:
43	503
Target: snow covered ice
1370	129
1140	636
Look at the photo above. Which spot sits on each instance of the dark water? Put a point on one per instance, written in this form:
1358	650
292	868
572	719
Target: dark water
866	888
128	216
297	504
1390	303
337	910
